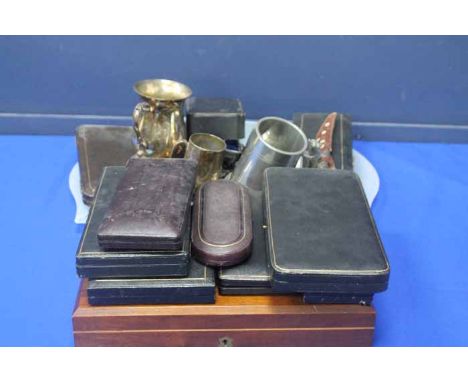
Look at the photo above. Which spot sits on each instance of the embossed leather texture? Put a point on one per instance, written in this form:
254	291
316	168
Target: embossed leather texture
100	146
342	142
94	262
197	288
321	233
150	206
222	223
252	274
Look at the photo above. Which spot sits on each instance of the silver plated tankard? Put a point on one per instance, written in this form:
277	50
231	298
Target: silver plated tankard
275	142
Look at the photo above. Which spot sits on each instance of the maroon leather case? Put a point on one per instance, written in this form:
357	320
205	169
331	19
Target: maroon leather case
150	207
222	224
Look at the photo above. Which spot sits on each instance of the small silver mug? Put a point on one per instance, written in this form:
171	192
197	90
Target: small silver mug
275	142
208	151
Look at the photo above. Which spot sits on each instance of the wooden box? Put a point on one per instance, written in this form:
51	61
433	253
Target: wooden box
274	320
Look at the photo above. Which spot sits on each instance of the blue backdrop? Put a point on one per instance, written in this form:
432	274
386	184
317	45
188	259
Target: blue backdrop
384	79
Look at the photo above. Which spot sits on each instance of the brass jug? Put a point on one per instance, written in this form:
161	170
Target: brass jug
159	120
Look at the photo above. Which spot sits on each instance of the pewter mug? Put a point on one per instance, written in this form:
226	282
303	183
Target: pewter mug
158	121
275	142
208	151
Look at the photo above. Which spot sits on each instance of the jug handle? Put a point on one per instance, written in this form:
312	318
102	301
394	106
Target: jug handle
138	114
178	151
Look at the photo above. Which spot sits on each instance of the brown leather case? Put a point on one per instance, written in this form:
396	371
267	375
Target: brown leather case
222	224
150	208
100	146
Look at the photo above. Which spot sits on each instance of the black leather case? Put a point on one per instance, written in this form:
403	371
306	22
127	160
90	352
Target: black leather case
321	234
94	262
150	206
223	117
245	291
254	272
197	288
342	143
100	146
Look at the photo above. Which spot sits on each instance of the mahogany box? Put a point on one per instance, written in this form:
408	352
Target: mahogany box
274	320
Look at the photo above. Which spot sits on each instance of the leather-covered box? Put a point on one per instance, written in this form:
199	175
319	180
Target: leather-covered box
100	146
253	275
197	288
321	235
150	207
94	262
223	117
222	223
245	291
342	140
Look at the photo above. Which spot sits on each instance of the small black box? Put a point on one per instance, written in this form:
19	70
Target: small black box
223	117
94	262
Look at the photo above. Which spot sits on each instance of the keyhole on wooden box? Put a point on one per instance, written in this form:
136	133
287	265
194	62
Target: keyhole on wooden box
225	341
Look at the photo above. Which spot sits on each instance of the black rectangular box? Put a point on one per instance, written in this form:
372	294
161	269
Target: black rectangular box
223	117
322	237
245	291
197	288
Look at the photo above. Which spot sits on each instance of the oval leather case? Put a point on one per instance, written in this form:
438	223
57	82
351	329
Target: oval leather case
222	224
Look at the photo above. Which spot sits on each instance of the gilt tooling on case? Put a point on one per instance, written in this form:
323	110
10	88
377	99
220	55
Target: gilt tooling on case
222	224
327	241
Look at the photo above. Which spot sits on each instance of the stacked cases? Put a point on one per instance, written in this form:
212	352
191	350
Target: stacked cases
136	244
